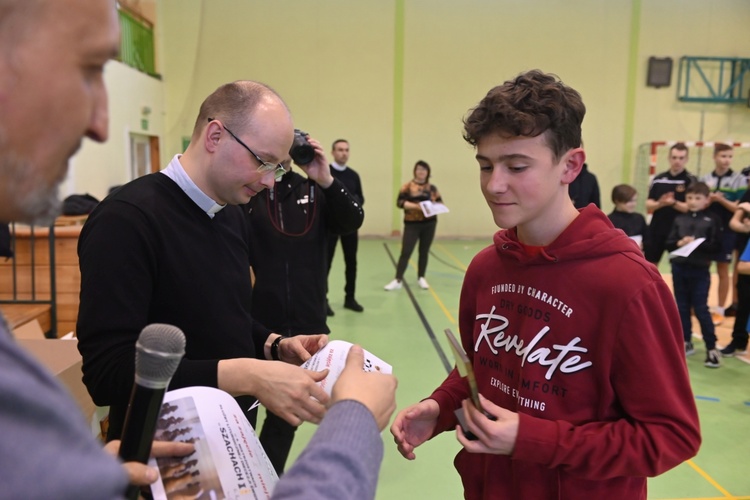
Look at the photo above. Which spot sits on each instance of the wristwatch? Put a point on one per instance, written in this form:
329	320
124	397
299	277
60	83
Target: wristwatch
275	347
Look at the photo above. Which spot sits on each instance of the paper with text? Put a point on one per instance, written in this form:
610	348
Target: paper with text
228	462
430	208
333	356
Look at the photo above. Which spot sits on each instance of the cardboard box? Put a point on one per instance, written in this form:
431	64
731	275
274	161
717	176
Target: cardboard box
62	358
30	330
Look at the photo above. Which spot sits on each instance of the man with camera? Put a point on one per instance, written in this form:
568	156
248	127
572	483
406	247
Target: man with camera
173	247
289	225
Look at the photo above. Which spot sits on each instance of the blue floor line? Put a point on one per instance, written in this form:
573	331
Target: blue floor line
706	398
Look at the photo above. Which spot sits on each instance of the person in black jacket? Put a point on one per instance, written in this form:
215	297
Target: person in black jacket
585	189
349	241
289	226
666	200
691	272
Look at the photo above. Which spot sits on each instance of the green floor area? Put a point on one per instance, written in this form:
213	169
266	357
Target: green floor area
391	328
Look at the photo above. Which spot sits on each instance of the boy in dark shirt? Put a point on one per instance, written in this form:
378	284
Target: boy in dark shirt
624	216
690	273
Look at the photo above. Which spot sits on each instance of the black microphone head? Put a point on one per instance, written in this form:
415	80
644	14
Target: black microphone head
158	352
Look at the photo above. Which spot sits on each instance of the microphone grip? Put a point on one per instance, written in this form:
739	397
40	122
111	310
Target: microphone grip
139	428
133	492
140	424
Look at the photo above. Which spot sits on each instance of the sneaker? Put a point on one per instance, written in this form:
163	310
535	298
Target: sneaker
713	360
329	311
393	285
689	349
731	311
423	284
352	304
717	318
731	350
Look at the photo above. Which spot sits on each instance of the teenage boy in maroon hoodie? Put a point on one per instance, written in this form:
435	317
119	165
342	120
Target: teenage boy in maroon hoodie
574	337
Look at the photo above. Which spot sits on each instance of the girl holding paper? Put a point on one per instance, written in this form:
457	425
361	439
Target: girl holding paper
420	222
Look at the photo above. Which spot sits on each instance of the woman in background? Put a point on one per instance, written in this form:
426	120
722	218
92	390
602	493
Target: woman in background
417	226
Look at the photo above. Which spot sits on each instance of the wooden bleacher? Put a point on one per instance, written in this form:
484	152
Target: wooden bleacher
28	297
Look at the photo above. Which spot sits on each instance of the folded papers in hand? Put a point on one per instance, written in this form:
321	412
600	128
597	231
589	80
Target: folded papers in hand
333	356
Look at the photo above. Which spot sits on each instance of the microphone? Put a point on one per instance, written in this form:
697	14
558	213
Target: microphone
158	352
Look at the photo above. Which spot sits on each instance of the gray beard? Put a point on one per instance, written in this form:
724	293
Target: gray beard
42	206
23	197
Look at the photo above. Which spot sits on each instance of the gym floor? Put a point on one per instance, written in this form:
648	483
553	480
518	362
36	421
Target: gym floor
405	328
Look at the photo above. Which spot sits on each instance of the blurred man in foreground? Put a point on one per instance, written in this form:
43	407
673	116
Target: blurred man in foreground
52	94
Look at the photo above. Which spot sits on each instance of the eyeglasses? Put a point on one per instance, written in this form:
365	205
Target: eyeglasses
265	166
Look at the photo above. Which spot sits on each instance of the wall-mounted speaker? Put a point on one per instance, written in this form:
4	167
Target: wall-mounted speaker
659	72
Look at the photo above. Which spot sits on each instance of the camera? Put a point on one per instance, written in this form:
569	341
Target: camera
301	151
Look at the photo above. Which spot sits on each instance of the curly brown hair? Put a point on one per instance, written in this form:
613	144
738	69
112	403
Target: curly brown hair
531	104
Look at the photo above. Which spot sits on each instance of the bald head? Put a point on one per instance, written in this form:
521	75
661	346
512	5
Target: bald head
234	104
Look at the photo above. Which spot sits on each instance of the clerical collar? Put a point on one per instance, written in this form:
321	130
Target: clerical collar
176	172
338	167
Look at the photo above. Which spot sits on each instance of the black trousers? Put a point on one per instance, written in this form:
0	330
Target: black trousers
739	332
349	243
276	437
424	232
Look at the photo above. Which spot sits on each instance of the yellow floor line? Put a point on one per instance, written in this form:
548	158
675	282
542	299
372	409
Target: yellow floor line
437	299
442	306
710	479
453	257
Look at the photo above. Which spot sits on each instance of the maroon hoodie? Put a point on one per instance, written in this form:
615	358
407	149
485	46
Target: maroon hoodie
584	342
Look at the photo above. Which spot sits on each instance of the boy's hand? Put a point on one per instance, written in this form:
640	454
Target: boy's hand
497	437
414	425
685	240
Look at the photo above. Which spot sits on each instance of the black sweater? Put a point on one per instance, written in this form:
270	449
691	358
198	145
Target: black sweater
632	223
149	254
351	181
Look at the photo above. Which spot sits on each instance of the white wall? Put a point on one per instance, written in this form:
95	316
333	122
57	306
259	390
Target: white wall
97	167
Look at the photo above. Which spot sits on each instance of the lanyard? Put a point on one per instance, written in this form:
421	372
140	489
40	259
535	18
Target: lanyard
275	213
